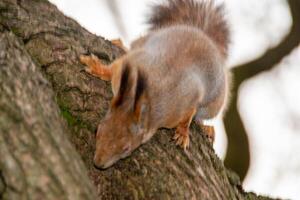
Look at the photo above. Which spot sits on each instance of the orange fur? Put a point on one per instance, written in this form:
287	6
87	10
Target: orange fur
182	131
96	68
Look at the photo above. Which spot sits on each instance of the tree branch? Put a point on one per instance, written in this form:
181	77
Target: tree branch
237	157
158	169
37	159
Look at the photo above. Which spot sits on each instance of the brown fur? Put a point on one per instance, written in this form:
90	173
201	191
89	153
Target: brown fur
170	75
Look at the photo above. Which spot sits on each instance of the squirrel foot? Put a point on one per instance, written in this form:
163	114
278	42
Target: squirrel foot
182	131
208	130
182	137
95	67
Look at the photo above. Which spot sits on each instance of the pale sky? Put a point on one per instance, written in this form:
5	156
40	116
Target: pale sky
269	103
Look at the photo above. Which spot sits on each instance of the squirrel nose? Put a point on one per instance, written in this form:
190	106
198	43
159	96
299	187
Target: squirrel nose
97	163
98	166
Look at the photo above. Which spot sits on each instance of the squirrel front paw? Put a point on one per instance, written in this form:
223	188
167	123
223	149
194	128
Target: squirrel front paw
95	67
182	137
91	62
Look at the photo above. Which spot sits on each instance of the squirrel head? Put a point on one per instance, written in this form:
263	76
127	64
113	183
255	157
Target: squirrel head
124	127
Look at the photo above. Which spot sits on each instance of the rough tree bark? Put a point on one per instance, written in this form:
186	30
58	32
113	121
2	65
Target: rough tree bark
36	158
33	138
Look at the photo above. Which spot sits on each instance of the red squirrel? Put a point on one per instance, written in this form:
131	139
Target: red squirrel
173	73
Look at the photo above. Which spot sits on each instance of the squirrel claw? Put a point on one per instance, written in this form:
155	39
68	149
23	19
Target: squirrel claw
84	59
182	139
89	61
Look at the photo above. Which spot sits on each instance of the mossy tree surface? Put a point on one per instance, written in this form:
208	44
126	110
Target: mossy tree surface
47	42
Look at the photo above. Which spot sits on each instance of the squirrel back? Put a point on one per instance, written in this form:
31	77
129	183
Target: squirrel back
201	14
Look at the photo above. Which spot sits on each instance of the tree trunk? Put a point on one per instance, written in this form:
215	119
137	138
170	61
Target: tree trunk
238	155
37	160
40	162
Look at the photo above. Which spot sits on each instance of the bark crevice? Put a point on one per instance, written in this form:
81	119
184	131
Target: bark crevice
3	185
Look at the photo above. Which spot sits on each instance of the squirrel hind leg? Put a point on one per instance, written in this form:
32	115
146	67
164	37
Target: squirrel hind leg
95	67
182	130
209	131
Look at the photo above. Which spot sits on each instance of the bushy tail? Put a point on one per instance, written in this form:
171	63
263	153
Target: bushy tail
205	15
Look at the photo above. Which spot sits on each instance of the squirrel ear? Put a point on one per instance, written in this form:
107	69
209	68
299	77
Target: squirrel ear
123	86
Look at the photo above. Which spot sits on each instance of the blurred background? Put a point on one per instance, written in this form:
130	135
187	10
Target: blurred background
262	138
